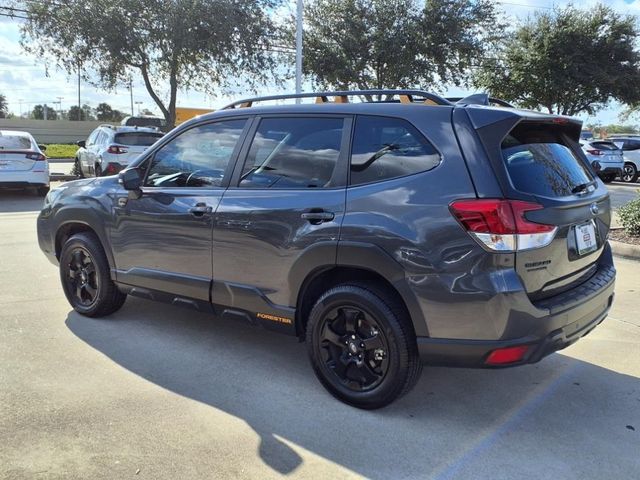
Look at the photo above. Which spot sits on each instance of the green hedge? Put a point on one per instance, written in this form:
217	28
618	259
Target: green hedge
630	217
58	150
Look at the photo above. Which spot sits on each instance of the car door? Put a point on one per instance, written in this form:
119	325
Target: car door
284	209
162	241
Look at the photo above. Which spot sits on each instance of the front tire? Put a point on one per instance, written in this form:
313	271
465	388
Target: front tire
629	173
86	281
362	346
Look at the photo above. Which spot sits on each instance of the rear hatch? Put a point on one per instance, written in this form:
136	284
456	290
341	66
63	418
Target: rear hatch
132	144
537	159
606	152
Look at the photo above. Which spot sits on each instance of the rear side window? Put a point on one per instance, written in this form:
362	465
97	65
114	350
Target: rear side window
14	142
630	145
133	139
293	152
539	162
385	148
604	145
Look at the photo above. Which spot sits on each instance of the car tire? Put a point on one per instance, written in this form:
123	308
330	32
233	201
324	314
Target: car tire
42	191
78	169
98	170
607	178
362	346
85	277
629	173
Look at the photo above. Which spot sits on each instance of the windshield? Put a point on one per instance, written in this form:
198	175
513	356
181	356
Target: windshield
539	162
143	139
15	142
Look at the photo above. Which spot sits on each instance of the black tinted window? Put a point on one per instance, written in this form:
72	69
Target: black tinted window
386	148
604	145
197	157
293	153
539	162
142	139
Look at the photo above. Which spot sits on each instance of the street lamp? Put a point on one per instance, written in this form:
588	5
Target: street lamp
59	102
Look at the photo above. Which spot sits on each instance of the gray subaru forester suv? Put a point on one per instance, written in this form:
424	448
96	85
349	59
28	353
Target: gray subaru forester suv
388	233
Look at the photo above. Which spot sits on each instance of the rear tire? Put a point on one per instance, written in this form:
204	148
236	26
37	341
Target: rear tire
362	346
629	173
85	276
78	169
42	191
607	178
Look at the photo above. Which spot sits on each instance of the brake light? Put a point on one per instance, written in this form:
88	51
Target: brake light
500	225
116	149
595	152
504	356
38	157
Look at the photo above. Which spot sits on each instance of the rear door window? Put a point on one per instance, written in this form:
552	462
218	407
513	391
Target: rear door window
385	148
292	152
540	162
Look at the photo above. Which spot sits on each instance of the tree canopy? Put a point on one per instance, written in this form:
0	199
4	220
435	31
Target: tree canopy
4	106
201	44
38	113
105	113
395	43
567	61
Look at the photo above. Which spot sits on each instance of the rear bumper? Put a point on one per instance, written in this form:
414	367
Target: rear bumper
567	318
610	170
23	179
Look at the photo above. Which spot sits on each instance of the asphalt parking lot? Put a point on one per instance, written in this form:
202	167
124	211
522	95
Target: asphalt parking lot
156	392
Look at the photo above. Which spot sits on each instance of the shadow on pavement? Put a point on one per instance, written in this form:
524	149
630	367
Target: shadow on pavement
453	419
19	201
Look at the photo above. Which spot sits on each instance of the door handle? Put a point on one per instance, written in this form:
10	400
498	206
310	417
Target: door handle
199	209
316	217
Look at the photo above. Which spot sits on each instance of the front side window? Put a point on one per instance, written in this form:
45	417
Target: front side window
197	157
293	153
385	148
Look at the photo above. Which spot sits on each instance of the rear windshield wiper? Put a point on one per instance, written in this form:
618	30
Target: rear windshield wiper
583	187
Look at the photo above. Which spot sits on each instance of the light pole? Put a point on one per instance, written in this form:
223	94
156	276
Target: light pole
60	106
299	48
138	103
20	100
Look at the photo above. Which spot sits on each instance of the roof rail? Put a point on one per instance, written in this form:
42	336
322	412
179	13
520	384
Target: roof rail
107	125
404	96
479	99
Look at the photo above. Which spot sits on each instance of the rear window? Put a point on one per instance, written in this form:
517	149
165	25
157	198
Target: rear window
15	142
540	163
604	145
143	139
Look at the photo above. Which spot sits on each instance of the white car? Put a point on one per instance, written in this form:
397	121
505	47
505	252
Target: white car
22	163
111	148
605	158
631	149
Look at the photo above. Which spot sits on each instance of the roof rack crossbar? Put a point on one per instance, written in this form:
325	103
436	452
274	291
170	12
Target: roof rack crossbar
343	96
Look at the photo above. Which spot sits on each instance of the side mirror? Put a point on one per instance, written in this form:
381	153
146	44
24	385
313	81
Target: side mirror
43	148
81	143
131	180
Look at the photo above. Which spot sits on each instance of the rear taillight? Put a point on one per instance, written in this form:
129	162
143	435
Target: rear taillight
38	157
500	225
116	149
112	169
595	152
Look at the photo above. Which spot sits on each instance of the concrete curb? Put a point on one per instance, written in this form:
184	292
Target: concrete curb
625	250
60	177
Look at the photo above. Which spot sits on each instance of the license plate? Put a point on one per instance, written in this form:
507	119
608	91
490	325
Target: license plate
586	238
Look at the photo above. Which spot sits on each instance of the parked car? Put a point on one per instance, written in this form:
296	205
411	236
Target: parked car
384	234
631	150
109	149
22	162
605	158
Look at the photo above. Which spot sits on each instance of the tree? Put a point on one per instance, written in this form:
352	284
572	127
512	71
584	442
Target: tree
4	106
395	43
201	44
84	113
38	113
567	61
104	112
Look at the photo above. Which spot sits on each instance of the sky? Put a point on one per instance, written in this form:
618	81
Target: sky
25	80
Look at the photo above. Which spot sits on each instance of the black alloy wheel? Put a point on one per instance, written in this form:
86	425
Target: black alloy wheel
353	348
81	278
86	278
362	345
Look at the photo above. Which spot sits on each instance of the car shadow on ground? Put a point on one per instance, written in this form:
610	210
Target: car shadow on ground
453	417
20	201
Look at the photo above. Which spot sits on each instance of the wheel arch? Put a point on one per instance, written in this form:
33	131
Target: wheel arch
69	228
362	263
